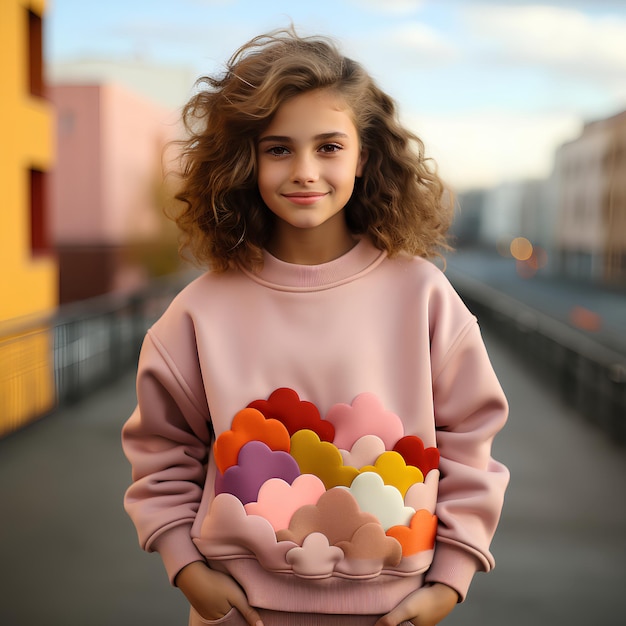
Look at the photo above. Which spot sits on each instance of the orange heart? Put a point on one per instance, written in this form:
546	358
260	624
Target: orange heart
249	425
419	536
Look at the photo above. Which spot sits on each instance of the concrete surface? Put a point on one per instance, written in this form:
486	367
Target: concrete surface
69	556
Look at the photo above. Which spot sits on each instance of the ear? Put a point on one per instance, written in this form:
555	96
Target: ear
361	162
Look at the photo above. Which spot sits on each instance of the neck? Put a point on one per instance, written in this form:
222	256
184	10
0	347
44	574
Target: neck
310	246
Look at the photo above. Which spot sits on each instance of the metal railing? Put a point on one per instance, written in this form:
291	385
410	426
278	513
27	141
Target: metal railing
80	348
588	376
88	345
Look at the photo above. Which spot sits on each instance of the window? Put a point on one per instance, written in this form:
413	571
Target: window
35	54
38	232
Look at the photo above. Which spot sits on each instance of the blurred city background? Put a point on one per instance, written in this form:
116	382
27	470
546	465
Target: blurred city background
523	107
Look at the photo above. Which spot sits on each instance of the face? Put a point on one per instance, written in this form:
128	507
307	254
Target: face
308	159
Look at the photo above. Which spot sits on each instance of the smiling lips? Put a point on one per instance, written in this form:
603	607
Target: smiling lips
304	197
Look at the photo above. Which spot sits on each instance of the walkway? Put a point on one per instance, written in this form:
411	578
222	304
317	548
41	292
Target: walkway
69	557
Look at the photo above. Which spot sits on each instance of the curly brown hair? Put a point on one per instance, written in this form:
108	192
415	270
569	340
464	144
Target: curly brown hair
399	202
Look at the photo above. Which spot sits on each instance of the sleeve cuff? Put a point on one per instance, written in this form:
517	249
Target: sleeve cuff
177	550
454	567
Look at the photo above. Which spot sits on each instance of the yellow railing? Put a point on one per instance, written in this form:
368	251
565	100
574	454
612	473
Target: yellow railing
26	378
48	362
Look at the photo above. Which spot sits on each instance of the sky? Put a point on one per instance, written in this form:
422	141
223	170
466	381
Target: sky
492	87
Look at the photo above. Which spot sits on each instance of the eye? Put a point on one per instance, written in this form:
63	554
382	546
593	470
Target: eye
277	151
330	148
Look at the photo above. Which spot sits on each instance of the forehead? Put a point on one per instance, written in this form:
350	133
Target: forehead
312	113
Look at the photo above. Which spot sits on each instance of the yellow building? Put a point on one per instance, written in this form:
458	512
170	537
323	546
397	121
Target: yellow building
28	273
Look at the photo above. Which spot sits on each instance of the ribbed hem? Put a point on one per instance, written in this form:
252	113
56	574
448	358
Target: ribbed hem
282	618
358	261
454	567
176	549
286	592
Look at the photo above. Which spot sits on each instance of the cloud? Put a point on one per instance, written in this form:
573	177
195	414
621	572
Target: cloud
424	495
412	450
229	531
419	536
417	37
596	4
213	3
394	7
336	515
248	425
358	534
483	148
563	38
406	46
394	471
278	500
383	501
365	451
367	547
256	464
285	406
315	559
322	459
366	415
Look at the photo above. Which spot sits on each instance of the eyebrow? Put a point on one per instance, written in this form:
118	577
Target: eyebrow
321	137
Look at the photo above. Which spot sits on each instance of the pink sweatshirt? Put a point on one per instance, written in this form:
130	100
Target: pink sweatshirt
321	433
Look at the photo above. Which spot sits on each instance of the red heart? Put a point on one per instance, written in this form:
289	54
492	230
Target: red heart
285	405
413	452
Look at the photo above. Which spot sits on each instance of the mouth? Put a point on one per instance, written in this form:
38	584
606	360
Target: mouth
304	197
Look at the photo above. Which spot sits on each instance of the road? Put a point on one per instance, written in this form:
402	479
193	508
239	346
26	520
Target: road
594	310
69	555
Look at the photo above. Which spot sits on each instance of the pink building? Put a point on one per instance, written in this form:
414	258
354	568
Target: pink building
106	189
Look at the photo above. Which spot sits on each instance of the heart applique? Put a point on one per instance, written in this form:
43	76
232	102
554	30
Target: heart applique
419	536
285	405
412	450
248	425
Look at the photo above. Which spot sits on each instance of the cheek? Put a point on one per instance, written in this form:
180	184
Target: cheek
268	184
268	176
262	179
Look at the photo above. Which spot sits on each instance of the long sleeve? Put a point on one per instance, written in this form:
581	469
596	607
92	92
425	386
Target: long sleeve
470	409
166	441
247	367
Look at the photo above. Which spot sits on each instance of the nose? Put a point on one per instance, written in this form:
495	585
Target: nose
304	169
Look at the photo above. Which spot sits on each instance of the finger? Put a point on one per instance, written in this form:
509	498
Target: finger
250	614
409	609
393	618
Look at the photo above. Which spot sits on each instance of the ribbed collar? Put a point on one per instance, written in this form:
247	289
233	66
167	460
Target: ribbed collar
277	274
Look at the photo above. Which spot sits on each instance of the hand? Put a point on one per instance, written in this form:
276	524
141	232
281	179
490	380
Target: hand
425	607
213	594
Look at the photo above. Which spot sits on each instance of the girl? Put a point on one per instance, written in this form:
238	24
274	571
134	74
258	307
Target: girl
315	413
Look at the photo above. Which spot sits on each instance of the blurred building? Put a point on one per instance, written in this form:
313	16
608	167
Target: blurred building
518	209
576	217
28	269
167	85
507	215
467	222
590	174
106	187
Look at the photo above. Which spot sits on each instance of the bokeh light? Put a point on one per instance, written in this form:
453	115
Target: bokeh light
529	267
585	319
521	249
